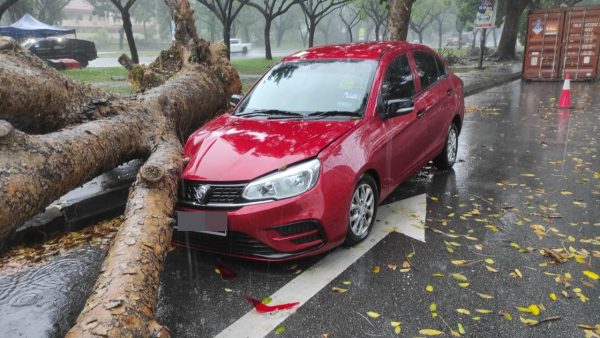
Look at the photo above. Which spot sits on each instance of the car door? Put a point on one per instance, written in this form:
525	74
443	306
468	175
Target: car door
405	132
432	101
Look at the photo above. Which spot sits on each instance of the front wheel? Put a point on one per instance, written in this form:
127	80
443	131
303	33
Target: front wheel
363	208
447	158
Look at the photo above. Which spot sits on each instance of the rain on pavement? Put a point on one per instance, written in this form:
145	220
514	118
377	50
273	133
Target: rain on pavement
527	183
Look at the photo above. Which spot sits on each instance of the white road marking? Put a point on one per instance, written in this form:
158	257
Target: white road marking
406	216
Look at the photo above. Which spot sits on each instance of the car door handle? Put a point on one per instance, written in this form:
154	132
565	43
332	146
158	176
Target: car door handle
450	91
420	113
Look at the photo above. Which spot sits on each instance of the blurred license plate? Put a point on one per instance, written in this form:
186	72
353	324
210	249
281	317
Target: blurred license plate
201	221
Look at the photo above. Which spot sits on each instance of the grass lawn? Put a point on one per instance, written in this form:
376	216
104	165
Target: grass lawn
115	78
254	66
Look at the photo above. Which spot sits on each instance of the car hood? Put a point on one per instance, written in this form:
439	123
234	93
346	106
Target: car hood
240	149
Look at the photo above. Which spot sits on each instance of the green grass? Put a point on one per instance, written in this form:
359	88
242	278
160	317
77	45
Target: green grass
254	66
112	79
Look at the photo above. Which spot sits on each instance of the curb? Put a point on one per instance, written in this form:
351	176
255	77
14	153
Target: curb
485	85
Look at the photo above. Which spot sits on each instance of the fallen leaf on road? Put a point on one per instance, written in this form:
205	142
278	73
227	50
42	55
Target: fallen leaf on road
533	309
485	296
280	330
430	332
463	311
552	296
429	288
373	314
591	274
459	277
528	321
376	269
262	308
338	290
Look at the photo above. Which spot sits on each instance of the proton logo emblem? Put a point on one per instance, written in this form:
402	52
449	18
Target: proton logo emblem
201	193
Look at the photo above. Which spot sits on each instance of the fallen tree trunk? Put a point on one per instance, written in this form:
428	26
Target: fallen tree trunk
194	80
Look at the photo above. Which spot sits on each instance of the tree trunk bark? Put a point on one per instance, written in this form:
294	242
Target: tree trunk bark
49	101
129	34
311	33
267	32
227	37
460	39
37	169
508	40
121	37
280	33
440	33
399	18
5	5
420	34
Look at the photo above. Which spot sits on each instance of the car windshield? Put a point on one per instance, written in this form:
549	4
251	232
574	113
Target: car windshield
316	89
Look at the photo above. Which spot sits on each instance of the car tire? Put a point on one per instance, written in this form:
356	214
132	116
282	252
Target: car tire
245	50
447	158
363	210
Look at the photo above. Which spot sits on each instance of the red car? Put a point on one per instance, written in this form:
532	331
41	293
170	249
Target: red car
301	163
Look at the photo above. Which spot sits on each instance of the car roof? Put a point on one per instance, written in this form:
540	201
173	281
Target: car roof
359	50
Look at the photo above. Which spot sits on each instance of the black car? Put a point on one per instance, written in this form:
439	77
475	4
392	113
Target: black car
63	48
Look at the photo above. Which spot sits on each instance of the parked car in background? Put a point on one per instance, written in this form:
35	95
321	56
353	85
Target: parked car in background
237	46
63	48
301	164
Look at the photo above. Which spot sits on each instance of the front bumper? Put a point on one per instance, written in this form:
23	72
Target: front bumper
300	226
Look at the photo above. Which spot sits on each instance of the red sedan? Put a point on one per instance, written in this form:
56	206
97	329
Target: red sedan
301	163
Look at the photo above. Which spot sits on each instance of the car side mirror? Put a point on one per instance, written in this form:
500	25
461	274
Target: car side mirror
235	99
397	107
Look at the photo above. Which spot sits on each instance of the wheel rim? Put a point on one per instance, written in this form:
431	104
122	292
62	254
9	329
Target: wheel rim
362	209
452	145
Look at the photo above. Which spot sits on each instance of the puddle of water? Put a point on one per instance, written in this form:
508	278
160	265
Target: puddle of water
44	300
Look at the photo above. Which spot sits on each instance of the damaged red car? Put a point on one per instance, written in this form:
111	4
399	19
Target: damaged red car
301	163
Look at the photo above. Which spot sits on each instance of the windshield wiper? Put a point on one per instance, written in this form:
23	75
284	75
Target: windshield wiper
271	113
335	113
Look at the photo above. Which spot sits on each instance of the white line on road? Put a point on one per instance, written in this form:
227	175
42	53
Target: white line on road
406	216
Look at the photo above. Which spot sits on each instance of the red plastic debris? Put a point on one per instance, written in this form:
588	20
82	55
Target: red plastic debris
226	273
260	307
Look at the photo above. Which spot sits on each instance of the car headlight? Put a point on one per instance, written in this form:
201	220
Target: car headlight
284	184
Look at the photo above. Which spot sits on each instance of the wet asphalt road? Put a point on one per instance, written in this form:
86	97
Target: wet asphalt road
520	161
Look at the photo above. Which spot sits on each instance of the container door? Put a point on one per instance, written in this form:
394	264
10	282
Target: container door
581	43
542	53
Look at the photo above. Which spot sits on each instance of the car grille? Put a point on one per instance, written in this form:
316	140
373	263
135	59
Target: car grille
218	193
235	243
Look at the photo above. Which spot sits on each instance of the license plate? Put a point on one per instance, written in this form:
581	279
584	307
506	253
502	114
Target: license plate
214	223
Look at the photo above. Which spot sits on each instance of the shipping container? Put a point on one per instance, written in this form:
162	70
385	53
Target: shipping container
561	41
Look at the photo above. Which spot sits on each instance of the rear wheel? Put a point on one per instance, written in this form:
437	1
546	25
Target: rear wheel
363	208
447	158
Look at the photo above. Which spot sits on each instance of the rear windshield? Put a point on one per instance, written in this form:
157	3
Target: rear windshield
307	87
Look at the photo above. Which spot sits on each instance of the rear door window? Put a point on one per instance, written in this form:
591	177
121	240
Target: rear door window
398	82
427	68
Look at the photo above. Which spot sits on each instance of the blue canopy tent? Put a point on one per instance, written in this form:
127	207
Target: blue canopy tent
28	26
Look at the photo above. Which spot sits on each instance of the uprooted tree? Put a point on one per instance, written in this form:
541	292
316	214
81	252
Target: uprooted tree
56	134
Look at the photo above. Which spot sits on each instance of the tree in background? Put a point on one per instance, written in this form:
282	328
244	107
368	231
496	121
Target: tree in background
508	40
422	16
444	10
270	9
378	13
50	11
465	16
117	8
282	24
6	5
226	11
399	18
315	11
350	16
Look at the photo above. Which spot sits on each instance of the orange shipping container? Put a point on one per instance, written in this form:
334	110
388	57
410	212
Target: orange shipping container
560	41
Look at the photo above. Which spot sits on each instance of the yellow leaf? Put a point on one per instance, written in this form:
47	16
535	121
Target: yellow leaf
485	296
518	273
479	247
505	314
438	275
458	262
228	290
591	275
217	271
597	175
347	282
464	285
433	198
528	321
489	260
397	329
404	270
490	269
461	329
528	175
484	311
430	332
376	269
459	277
429	288
433	307
476	318
566	193
463	311
552	296
454	333
373	314
395	324
533	309
338	290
